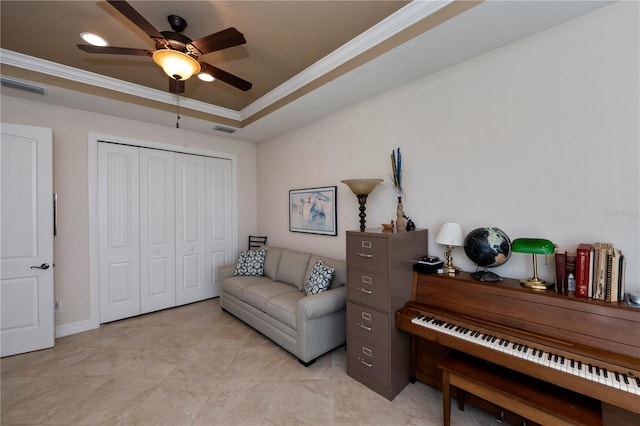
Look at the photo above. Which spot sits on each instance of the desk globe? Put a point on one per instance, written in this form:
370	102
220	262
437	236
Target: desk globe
488	248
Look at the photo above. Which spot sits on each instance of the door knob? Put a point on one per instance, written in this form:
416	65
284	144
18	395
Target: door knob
43	266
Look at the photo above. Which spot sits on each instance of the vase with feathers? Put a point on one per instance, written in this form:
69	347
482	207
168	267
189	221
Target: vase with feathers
396	168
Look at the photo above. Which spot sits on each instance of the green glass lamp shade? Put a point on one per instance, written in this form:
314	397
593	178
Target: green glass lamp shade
532	245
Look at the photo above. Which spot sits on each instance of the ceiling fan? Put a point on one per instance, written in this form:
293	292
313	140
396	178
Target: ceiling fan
176	53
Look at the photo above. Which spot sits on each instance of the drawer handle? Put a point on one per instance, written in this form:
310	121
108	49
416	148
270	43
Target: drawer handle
366	255
365	291
365	363
364	327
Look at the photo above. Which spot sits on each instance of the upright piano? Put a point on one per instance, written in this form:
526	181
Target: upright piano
588	346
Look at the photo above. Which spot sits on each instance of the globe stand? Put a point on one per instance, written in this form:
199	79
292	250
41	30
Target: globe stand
486	275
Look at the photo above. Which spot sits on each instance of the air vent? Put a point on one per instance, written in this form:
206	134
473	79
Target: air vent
224	129
14	84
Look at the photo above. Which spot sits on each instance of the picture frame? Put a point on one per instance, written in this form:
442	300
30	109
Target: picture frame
313	210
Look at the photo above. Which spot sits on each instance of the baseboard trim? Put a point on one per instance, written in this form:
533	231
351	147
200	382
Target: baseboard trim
75	327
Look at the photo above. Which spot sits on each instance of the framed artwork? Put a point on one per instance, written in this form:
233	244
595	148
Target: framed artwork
313	210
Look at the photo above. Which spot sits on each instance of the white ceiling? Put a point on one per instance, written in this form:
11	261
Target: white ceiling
487	26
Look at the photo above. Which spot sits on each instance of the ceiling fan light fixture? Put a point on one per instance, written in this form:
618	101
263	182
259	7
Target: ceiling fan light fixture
176	65
205	77
94	39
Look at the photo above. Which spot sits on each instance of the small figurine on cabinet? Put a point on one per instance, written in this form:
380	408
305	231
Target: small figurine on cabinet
410	225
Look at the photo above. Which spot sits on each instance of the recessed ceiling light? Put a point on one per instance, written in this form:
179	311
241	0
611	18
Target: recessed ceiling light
205	77
94	39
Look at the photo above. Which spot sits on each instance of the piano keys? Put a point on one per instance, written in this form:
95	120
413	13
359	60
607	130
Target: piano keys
587	346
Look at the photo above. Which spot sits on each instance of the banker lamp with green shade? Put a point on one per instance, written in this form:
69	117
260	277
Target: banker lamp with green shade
533	246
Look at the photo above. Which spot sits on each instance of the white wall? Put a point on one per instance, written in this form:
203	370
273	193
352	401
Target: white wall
71	128
539	138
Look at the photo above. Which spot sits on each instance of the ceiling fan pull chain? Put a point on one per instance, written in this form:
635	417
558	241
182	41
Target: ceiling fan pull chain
178	111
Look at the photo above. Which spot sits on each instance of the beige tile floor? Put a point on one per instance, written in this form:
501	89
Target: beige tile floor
197	365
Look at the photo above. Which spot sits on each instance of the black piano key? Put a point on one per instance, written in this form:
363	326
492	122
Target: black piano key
561	360
555	358
579	365
625	378
540	354
597	370
493	339
534	352
549	357
590	369
526	349
604	373
573	364
638	382
617	376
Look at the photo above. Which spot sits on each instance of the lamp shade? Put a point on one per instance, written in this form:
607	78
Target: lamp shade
450	234
176	65
532	245
361	186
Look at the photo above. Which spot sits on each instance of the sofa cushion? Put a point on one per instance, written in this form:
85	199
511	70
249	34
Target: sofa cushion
293	268
236	285
251	263
319	278
257	295
339	266
271	262
283	308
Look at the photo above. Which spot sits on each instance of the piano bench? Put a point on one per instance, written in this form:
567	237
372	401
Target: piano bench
533	399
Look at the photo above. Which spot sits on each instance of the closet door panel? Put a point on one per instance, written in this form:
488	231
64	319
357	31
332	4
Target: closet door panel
190	229
157	230
118	198
219	238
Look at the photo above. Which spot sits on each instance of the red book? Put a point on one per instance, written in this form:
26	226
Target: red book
583	254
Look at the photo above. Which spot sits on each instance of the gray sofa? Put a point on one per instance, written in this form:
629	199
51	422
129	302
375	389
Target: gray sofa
275	304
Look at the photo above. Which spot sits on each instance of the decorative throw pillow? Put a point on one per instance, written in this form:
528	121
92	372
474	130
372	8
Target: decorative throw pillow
251	263
319	278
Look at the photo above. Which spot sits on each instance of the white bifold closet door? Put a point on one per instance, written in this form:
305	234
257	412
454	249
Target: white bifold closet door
165	227
119	231
190	229
157	231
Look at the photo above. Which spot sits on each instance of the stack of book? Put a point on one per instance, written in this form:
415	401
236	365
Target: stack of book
597	269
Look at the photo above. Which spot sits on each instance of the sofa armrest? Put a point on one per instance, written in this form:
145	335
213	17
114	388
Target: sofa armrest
226	271
326	302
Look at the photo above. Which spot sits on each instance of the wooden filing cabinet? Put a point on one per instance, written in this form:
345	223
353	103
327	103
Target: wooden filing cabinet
380	274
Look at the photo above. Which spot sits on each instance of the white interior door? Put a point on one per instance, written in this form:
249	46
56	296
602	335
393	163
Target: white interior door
119	231
26	250
157	230
219	238
190	229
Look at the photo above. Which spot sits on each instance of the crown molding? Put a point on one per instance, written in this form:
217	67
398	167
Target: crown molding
392	25
44	66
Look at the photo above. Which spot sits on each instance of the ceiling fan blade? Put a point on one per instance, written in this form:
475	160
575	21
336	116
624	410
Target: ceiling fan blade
112	50
131	14
176	86
228	78
218	41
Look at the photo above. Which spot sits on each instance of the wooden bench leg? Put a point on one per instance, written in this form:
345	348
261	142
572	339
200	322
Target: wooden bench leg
461	396
446	399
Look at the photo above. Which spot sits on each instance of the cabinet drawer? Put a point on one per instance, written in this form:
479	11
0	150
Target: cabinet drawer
369	325
368	288
367	359
368	253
